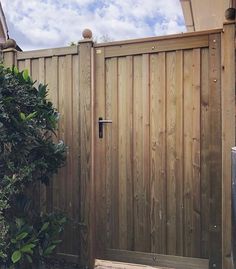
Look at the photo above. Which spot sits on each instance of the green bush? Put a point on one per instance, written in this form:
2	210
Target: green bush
28	156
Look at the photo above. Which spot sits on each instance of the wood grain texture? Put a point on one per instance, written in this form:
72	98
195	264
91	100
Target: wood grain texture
100	155
86	180
122	145
171	151
140	181
179	161
228	135
156	46
112	175
158	152
215	162
153	259
101	264
205	151
129	150
70	50
196	154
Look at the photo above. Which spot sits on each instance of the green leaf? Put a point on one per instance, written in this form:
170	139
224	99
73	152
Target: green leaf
28	248
63	220
19	222
22	116
15	70
44	227
29	258
49	250
31	115
26	75
21	236
16	256
56	241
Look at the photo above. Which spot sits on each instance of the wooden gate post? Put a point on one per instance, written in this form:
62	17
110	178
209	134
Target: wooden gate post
228	135
9	53
233	159
86	148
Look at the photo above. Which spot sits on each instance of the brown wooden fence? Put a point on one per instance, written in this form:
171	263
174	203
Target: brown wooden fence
157	179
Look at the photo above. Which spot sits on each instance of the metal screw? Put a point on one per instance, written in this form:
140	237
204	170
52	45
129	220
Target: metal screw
215	80
214	265
153	47
214	41
154	259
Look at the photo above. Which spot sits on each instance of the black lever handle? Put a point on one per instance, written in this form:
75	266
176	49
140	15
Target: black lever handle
101	121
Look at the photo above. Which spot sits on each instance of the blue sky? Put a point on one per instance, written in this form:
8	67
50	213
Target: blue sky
38	24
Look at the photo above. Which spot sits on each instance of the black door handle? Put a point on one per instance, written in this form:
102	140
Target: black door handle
101	121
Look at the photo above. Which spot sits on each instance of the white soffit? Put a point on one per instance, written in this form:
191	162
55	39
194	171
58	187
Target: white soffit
204	14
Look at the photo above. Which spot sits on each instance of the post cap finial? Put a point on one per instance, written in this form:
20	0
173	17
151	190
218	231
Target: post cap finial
87	34
230	14
9	44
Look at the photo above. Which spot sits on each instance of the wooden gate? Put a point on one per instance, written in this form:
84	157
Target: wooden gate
150	125
158	164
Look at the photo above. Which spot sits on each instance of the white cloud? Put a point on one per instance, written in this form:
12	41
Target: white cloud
49	23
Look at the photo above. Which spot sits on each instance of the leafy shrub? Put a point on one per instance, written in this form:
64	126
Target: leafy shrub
28	156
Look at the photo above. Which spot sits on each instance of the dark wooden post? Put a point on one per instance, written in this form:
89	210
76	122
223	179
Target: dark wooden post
233	156
86	145
228	135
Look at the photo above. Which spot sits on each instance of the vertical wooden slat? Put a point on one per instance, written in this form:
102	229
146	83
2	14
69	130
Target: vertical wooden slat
112	188
68	180
179	154
141	241
41	80
188	134
129	150
49	189
100	161
61	107
171	151
75	214
48	71
205	142
43	188
21	65
33	67
196	154
53	81
122	144
34	70
137	155
158	152
28	66
62	176
215	161
146	147
192	153
228	135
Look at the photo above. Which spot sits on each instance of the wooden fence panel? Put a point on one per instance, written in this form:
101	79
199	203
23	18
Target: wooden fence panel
153	183
61	73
